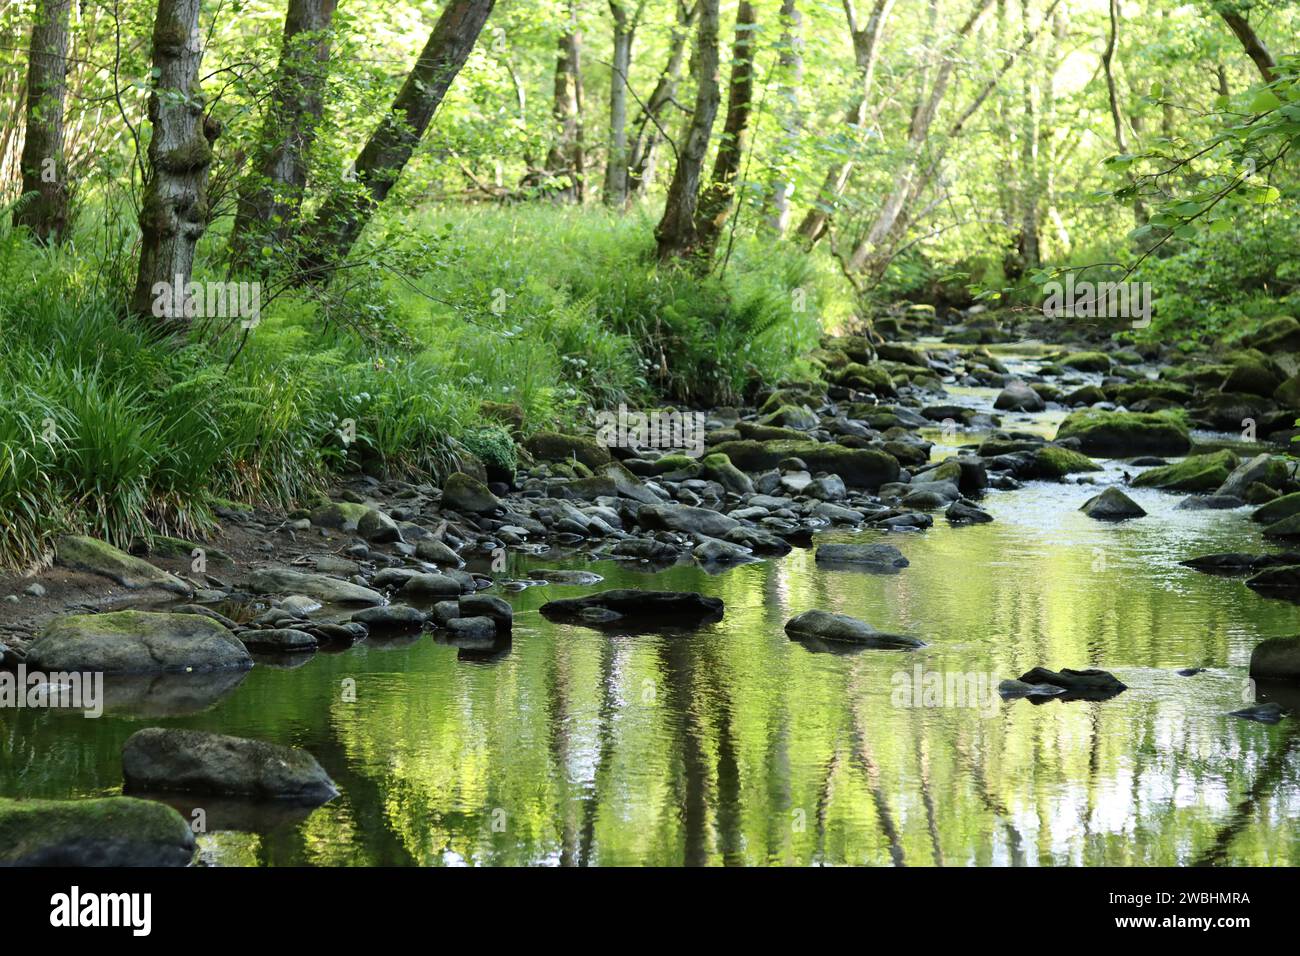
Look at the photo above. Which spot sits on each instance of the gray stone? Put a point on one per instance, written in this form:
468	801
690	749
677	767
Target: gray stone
1112	505
327	589
136	642
826	626
192	761
88	554
878	558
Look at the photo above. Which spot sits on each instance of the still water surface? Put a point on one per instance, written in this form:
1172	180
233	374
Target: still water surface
734	745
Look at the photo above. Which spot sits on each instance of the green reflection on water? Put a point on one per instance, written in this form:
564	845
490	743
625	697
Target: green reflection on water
733	745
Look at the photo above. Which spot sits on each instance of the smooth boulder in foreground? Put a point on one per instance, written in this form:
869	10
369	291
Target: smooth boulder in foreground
107	831
828	626
193	761
641	607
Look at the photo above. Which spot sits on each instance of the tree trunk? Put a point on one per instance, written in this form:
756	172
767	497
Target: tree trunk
43	167
645	146
715	203
616	168
335	228
271	195
1028	245
790	63
1112	91
565	160
675	233
1252	44
174	208
866	53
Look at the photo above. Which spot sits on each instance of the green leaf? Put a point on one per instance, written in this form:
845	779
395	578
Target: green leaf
1265	101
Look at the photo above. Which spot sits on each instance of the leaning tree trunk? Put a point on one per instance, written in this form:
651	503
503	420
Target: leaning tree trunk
271	196
645	146
338	223
174	208
1252	44
715	203
616	171
675	234
565	161
43	167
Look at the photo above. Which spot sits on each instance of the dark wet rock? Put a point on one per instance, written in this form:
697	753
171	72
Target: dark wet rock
1282	581
136	642
97	557
1082	684
327	589
687	520
963	512
1236	562
1279	508
1277	658
648	607
495	609
462	492
472	628
563	576
444	611
193	761
1269	713
1225	411
759	542
437	552
1112	505
895	520
425	586
391	617
1018	689
108	831
392	577
1019	397
1190	671
877	558
1113	434
827	626
278	640
1194	473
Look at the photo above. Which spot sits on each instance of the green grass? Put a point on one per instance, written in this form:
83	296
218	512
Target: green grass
105	431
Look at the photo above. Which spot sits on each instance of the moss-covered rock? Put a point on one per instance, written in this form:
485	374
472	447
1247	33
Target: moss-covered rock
1196	473
553	446
719	468
82	553
1252	374
903	354
509	414
110	831
859	467
339	515
1133	392
1278	508
1052	463
136	642
1122	434
1087	361
791	416
1288	393
871	378
465	493
764	433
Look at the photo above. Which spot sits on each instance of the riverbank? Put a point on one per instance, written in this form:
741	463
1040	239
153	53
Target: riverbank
930	444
